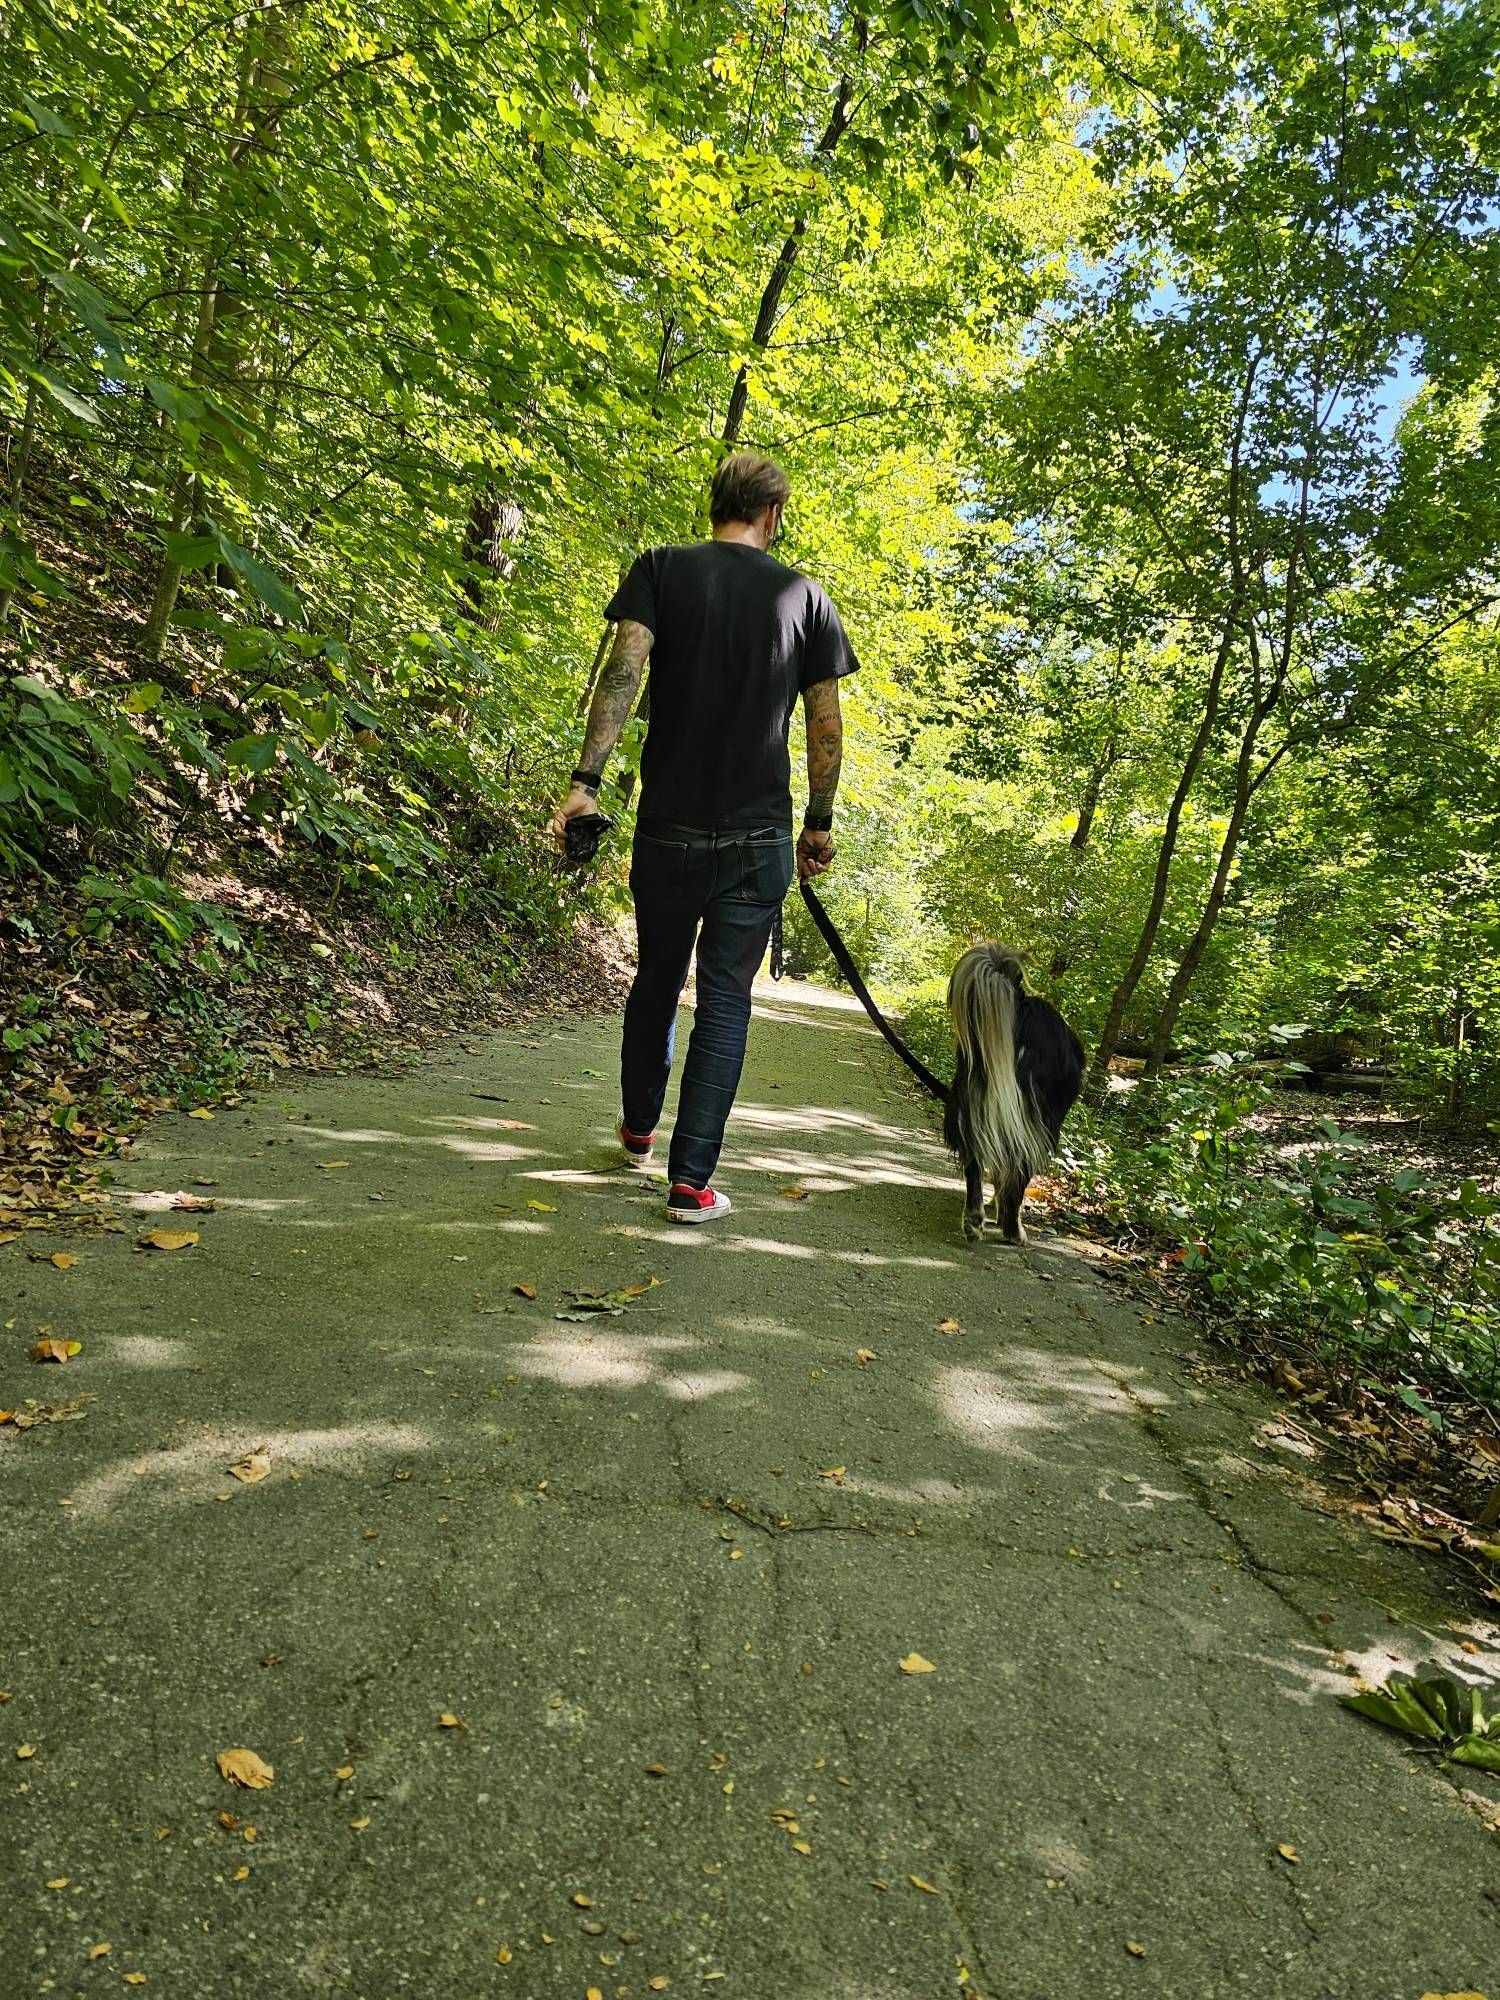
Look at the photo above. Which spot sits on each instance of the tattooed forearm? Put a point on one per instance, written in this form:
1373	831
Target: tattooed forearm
615	694
825	744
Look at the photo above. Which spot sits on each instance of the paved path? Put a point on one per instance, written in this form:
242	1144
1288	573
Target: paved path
623	1547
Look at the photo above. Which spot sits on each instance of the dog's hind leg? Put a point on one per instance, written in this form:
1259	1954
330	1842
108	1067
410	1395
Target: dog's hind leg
973	1201
1010	1192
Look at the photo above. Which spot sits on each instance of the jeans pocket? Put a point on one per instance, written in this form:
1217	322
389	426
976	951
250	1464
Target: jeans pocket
658	867
766	870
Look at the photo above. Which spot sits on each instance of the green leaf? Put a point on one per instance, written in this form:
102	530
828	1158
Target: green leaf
190	551
1481	1751
266	585
75	405
253	753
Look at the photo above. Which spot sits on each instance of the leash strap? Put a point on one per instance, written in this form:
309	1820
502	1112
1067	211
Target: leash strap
778	945
850	970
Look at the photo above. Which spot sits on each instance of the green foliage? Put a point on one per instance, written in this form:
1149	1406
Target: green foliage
1373	1273
1436	1710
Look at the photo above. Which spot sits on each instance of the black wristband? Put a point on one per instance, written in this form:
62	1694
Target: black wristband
590	780
817	822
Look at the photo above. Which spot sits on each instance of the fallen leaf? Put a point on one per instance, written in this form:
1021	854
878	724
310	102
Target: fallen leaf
503	1955
327	1166
169	1239
447	1720
1135	1950
864	1354
137	1978
24	1750
344	1771
593	1993
201	1112
915	1664
241	1874
833	1472
99	1950
55	1350
802	1847
62	1260
1466	1995
525	1291
359	1825
796	1193
58	1882
926	1887
583	1902
659	1984
948	1326
1287	1853
256	1466
545	1207
243	1767
199	1204
656	1770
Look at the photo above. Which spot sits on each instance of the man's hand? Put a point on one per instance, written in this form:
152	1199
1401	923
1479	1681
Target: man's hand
815	853
577	805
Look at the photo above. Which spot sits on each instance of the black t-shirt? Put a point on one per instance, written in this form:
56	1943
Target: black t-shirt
737	636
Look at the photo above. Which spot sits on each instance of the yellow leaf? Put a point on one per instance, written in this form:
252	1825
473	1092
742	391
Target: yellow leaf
170	1239
1135	1950
915	1664
503	1955
593	1993
244	1767
344	1771
801	1847
359	1825
201	1112
526	1291
659	1984
864	1354
62	1260
1288	1853
54	1350
796	1193
833	1472
926	1887
656	1770
327	1166
1466	1995
583	1902
241	1874
949	1326
546	1207
135	1978
448	1720
99	1950
24	1750
255	1467
58	1882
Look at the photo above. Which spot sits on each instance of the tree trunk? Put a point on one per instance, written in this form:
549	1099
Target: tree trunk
781	270
1193	957
495	521
1124	992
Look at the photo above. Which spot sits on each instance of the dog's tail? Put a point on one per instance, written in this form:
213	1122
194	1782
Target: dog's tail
1004	1130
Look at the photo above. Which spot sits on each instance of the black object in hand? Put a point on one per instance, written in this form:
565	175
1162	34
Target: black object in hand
584	833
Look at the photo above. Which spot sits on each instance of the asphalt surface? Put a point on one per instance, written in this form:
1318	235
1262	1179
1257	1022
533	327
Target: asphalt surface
660	1570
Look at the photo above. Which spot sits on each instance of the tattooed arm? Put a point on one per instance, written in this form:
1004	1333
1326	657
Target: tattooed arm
825	754
614	697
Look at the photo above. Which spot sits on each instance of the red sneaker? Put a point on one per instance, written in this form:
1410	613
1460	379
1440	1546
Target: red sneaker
635	1146
690	1204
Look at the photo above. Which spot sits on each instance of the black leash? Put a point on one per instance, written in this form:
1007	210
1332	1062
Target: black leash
861	992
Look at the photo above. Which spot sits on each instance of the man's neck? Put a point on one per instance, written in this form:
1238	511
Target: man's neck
740	531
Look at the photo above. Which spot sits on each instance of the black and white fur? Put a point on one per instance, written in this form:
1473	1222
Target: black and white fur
1020	1069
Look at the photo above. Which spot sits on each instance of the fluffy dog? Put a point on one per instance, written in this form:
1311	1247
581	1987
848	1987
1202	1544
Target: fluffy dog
1020	1069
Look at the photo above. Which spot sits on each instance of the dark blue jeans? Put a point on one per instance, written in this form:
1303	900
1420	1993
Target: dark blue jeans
731	884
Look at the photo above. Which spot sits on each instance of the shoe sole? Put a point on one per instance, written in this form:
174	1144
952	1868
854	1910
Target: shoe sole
641	1163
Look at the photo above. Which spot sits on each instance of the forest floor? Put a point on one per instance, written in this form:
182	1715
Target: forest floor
847	1615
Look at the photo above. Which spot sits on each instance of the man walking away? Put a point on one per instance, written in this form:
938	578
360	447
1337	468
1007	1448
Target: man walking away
733	636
